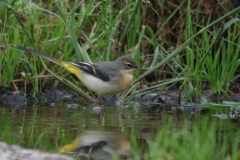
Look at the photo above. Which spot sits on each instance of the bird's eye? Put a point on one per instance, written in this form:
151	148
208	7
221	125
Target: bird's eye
129	65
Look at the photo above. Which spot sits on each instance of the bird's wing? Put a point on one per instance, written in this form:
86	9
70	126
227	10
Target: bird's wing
100	70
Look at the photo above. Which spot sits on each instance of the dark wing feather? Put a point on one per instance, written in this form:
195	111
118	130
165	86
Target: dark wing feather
95	69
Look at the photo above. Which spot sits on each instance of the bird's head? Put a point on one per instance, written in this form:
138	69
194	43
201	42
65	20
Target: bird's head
127	63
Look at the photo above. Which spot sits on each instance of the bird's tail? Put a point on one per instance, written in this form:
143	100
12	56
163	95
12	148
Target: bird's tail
73	69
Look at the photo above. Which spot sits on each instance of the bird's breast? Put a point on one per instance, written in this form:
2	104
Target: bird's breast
125	81
113	86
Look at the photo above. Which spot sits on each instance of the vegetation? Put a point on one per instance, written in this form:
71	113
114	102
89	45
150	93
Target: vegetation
203	54
200	142
192	43
173	136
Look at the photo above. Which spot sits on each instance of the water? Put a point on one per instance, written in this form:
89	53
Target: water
51	126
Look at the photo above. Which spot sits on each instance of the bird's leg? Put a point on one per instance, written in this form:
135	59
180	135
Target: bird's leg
100	101
92	94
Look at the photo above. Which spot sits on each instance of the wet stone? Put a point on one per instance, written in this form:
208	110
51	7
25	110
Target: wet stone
97	109
222	116
191	108
13	152
72	106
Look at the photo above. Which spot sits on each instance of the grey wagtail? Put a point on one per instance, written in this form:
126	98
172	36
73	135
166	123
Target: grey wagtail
104	78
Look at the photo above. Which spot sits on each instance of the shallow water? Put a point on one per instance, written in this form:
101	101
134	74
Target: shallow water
49	126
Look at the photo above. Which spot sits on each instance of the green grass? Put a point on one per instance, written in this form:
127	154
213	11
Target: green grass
174	136
203	140
60	33
97	31
221	67
210	59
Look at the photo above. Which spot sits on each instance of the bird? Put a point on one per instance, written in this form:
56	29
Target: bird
103	78
92	143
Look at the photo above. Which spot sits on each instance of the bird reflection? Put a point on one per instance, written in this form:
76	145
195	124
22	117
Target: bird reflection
99	144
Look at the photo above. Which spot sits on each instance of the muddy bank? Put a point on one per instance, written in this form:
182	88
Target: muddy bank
18	99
